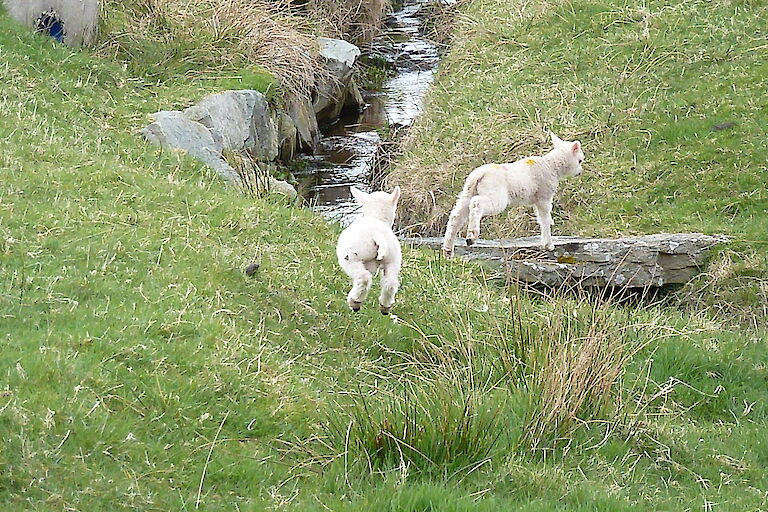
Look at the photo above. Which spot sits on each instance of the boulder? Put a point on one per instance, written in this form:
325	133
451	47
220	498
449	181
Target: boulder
242	119
282	187
174	130
334	92
339	54
238	121
303	117
631	262
287	136
73	22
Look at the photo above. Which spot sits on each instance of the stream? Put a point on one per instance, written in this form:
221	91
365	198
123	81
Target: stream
349	147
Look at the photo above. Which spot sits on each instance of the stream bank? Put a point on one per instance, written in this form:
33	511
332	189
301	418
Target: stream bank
349	148
332	141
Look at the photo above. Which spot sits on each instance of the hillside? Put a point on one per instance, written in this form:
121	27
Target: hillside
668	100
142	370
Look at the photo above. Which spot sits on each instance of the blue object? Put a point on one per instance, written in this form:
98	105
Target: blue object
56	30
50	24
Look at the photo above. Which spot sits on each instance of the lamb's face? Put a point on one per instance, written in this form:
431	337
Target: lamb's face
577	156
378	205
574	155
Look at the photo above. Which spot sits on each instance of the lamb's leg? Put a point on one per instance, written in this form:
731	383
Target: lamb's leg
544	216
456	223
361	283
389	284
482	206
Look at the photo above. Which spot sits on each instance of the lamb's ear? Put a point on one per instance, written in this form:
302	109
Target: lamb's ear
555	139
358	194
576	146
395	195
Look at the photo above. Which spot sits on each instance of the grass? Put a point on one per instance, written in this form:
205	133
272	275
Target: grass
234	43
142	369
657	158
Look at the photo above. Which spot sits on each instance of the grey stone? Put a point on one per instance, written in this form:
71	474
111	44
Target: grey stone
338	50
631	262
282	187
239	121
303	117
80	17
174	130
287	135
354	95
333	92
242	119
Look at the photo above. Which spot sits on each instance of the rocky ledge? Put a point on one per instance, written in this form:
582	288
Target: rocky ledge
245	123
631	262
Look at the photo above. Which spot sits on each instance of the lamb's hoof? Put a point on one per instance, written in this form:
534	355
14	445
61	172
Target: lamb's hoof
470	241
448	253
385	310
355	306
550	247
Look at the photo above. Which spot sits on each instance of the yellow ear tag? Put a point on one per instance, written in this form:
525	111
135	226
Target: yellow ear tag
531	161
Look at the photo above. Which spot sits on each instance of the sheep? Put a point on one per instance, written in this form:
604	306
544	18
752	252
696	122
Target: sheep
367	245
490	188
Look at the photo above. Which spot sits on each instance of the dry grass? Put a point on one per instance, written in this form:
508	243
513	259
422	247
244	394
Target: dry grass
215	35
576	360
734	286
357	21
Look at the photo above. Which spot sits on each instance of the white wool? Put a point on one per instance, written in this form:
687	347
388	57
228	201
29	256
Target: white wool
491	188
369	245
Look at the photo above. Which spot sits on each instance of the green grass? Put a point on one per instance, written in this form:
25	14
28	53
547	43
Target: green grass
643	88
142	370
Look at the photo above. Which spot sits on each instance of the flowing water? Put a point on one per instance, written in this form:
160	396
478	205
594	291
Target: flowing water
349	148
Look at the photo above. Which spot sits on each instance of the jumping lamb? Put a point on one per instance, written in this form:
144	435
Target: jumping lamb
491	188
369	244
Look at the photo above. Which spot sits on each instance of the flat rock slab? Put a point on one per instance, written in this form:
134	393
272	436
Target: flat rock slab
631	262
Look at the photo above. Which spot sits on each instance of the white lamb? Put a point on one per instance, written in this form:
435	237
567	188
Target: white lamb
369	244
490	188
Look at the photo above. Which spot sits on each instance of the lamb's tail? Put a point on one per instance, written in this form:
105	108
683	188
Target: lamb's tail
470	186
381	247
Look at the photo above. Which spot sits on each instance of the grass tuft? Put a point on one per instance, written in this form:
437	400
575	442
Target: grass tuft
223	39
431	424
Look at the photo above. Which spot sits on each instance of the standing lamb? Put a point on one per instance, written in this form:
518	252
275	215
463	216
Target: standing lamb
490	188
369	244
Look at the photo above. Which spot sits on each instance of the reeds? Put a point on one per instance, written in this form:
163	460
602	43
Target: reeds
576	358
543	380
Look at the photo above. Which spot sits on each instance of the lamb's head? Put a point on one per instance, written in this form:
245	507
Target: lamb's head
570	154
378	205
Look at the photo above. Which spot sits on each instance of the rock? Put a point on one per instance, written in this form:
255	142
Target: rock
338	51
332	93
251	269
303	117
287	136
174	130
239	121
282	187
354	96
723	126
631	262
75	21
242	119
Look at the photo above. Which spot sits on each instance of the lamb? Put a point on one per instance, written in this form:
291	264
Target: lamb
490	188
369	244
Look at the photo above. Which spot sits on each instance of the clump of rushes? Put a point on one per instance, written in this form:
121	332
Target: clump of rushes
435	424
576	357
